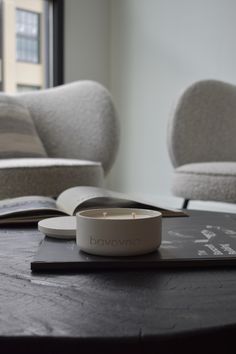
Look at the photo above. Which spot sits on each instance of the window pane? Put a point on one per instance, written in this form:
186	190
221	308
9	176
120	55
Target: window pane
25	88
27	29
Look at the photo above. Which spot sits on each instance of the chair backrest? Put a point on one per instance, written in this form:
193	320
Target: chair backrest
76	120
203	124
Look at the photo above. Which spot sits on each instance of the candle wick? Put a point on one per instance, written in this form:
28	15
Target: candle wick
133	215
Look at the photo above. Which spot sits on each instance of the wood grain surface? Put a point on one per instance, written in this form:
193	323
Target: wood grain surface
165	311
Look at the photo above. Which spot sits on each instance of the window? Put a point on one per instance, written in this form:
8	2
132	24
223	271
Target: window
27	36
25	88
31	44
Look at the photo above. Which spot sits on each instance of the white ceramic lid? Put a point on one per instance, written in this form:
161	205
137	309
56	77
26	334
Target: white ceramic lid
63	227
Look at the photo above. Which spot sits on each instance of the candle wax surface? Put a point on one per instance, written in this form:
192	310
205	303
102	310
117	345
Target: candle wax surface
119	214
123	217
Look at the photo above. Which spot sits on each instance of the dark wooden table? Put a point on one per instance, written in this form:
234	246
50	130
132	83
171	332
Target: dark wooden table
151	311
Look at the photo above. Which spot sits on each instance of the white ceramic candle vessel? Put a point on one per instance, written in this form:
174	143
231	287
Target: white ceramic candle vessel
118	231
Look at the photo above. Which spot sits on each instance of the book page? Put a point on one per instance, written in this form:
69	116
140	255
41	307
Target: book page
78	198
26	208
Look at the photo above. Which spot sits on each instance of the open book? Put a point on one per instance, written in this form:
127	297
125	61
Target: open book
35	208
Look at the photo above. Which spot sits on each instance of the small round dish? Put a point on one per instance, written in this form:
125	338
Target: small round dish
63	227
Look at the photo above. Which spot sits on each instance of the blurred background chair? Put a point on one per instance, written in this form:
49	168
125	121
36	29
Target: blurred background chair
202	143
56	138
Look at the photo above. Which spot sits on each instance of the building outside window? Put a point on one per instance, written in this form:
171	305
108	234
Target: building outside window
29	35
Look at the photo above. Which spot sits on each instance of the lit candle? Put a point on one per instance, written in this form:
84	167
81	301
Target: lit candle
118	231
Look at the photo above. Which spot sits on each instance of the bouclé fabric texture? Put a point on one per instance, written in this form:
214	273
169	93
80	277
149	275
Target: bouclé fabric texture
18	136
202	143
79	128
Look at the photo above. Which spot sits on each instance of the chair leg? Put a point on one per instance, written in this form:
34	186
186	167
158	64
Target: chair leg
185	204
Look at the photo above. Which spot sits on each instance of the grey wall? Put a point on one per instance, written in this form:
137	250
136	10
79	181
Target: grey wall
146	52
87	40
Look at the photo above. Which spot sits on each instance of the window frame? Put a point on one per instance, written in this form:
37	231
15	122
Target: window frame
55	65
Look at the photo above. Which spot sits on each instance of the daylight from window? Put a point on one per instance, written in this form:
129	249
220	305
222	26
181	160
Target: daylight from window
23	45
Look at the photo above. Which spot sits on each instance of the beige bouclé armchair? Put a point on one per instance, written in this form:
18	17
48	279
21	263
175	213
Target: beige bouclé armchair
78	128
202	142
